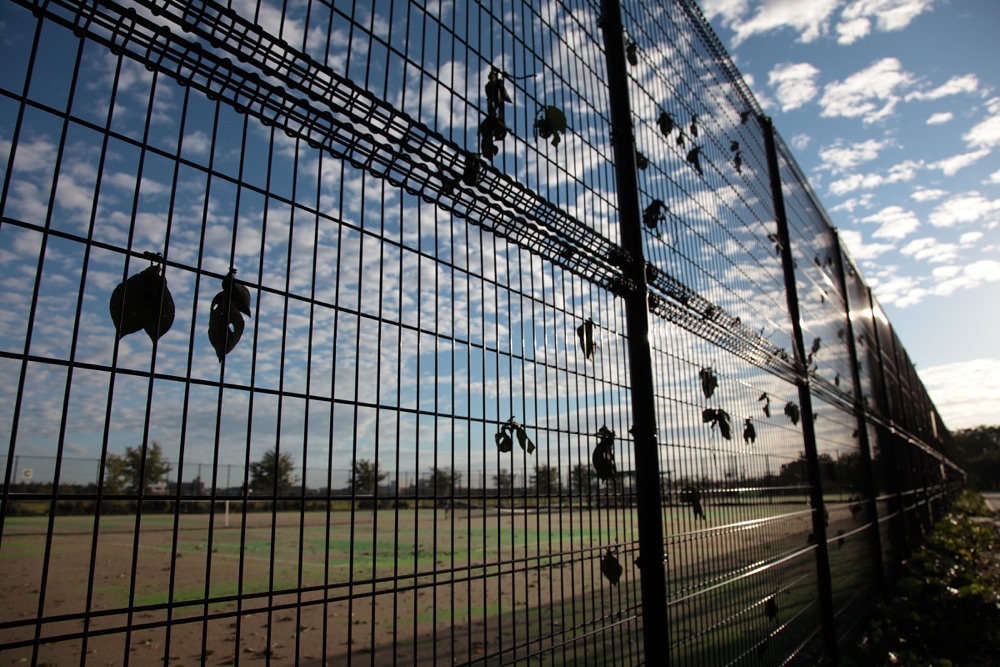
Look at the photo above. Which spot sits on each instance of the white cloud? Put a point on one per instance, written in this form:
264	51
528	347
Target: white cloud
801	141
809	19
927	194
987	133
839	157
951	165
889	15
966	393
940	117
964	208
966	83
894	222
969	238
871	93
794	84
859	250
995	177
852	30
904	171
850	205
930	250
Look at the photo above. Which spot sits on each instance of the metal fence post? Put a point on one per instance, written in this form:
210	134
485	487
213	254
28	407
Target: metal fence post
867	474
824	583
647	464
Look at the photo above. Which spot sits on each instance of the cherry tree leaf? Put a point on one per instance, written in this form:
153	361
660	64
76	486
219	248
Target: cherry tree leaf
144	302
709	382
225	321
749	432
550	122
603	457
585	333
611	568
792	410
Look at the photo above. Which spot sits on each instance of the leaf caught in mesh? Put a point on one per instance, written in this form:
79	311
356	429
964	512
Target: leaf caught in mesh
771	609
143	301
225	321
641	161
719	417
709	382
472	167
611	568
694	157
490	130
693	128
767	404
508	431
738	162
749	432
666	123
603	457
632	53
792	410
550	121
496	94
585	332
654	213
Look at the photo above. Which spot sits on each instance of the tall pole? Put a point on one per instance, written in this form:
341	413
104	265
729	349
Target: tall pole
647	464
824	584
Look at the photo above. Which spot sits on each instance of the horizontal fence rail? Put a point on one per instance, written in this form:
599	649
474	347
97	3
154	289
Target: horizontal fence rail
431	333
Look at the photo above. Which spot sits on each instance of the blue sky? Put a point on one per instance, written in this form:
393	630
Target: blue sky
893	110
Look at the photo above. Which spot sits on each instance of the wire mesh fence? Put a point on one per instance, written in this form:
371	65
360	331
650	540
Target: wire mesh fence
393	333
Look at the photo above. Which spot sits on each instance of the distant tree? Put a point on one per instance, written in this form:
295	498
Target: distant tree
269	469
128	473
444	481
978	451
580	478
503	481
365	478
545	480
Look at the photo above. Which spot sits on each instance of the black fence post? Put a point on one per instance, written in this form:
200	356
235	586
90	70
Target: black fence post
864	445
647	464
824	583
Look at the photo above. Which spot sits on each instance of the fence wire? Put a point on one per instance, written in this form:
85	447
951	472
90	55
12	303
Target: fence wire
316	333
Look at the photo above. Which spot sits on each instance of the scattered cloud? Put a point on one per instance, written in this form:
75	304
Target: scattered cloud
801	141
965	208
840	157
951	165
966	83
852	30
870	94
889	15
904	171
810	20
894	222
859	250
966	393
987	133
931	250
794	84
969	238
995	177
940	117
927	194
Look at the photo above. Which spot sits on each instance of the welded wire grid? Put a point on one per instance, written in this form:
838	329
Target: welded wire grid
397	451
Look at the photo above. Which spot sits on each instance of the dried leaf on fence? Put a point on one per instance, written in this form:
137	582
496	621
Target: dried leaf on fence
666	123
792	410
709	382
738	163
749	432
504	438
693	128
719	417
654	213
225	321
744	116
631	53
143	301
767	404
641	161
585	332
694	157
771	609
603	457
472	168
496	94
611	568
550	122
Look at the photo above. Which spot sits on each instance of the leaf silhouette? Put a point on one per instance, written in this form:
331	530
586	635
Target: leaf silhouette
641	161
631	53
496	94
225	321
738	162
550	122
692	496
143	301
666	123
771	609
611	568
472	168
490	130
654	213
744	116
693	128
767	404
585	332
603	457
694	157
734	146
708	381
508	431
749	432
792	410
718	417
